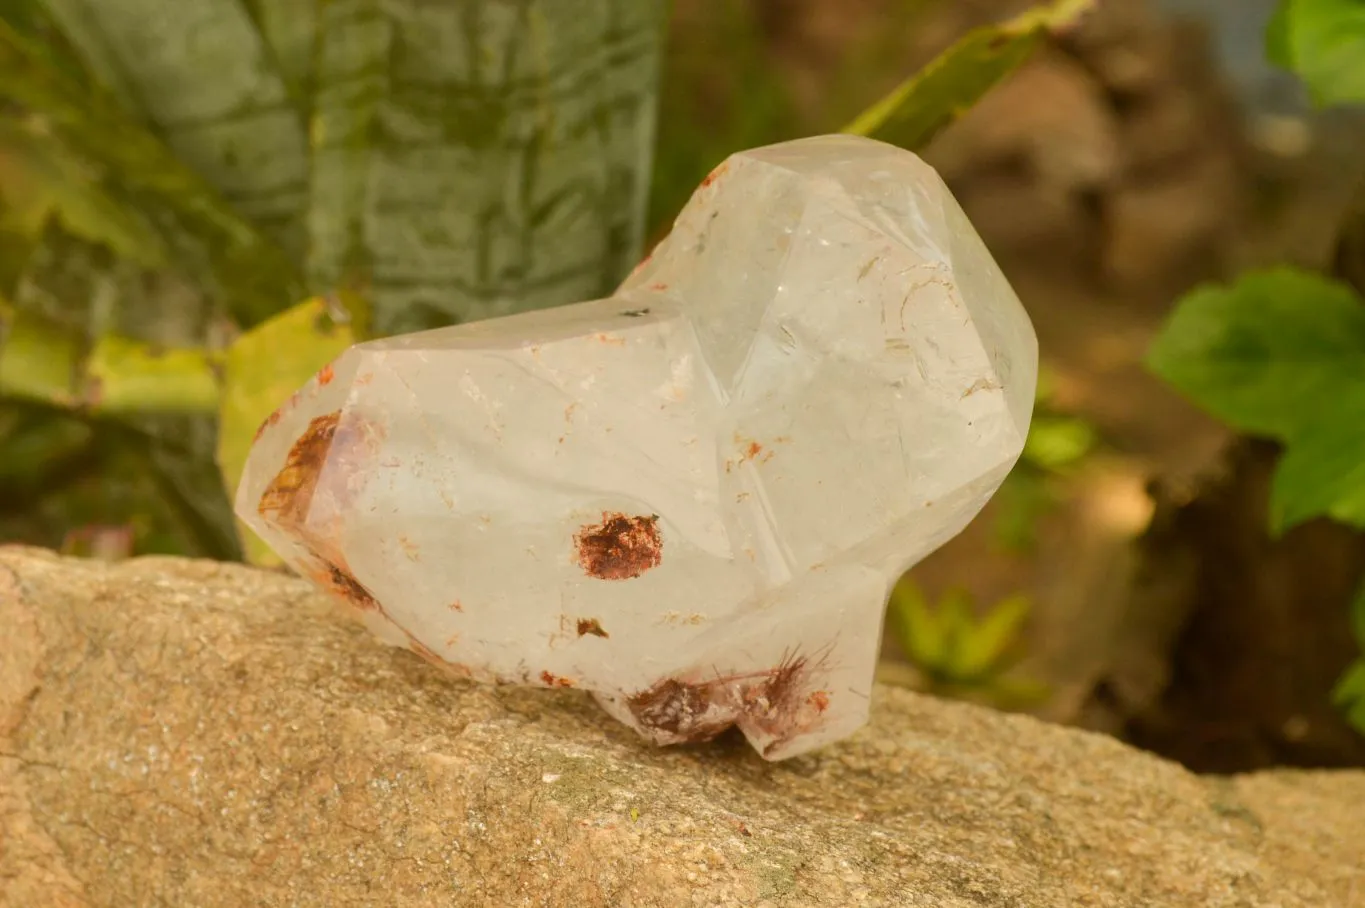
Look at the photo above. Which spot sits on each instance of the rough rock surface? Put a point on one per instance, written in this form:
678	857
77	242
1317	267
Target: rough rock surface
189	733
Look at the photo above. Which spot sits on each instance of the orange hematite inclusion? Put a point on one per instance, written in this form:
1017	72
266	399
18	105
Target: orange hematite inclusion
691	498
620	547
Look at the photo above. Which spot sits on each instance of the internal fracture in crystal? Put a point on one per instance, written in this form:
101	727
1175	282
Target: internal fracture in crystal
691	498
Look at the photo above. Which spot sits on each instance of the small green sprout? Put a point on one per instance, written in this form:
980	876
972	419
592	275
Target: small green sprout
958	653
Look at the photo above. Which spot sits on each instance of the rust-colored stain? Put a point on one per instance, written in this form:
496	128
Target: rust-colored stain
777	702
456	606
270	420
716	174
410	548
679	708
611	339
345	447
326	375
552	680
620	547
658	285
750	450
337	579
591	626
291	491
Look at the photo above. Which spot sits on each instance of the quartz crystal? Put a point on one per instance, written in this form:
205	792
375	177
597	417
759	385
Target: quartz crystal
691	498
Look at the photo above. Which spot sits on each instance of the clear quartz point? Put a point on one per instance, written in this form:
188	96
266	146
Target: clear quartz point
690	498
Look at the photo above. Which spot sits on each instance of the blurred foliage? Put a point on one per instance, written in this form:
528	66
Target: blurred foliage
1349	693
723	89
1280	353
1323	42
922	106
960	654
173	177
1056	445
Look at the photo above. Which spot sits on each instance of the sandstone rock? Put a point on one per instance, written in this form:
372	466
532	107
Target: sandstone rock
190	733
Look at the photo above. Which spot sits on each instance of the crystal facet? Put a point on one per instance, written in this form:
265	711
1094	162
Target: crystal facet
690	498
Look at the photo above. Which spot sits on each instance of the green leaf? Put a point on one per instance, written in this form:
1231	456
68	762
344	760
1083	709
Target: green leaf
1358	616
956	619
1024	498
207	240
39	179
1270	354
1356	715
1324	42
917	628
202	75
46	362
1351	686
922	106
180	450
449	161
982	647
289	28
1057	442
477	159
1015	693
35	444
1278	49
1323	468
126	376
38	359
262	369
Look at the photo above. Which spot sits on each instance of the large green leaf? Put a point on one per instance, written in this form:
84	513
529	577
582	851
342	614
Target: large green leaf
1323	468
922	106
475	159
1281	353
210	241
206	79
1358	616
40	179
1349	694
1323	41
452	161
39	361
1272	353
43	361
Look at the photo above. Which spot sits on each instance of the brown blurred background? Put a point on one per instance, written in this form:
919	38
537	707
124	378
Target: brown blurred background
1151	149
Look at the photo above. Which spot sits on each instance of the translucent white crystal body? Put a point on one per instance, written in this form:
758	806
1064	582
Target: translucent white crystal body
691	498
